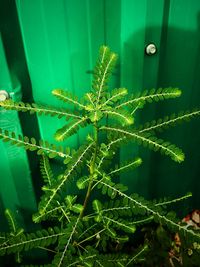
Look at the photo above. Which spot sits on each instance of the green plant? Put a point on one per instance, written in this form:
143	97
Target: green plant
94	230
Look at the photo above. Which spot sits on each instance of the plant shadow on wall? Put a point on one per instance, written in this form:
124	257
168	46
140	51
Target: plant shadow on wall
167	67
98	229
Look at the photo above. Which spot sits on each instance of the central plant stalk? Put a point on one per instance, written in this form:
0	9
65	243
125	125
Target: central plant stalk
91	169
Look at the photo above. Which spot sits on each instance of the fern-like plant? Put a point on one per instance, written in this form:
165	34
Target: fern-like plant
95	230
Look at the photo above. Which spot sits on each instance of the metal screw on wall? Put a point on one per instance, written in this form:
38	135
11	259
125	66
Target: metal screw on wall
151	49
4	95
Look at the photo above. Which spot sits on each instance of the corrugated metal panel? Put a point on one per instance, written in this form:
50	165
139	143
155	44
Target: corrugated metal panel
66	43
61	40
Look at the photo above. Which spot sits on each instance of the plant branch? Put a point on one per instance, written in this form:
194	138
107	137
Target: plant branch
137	255
92	170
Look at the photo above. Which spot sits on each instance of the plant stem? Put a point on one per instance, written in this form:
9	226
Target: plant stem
86	198
92	170
47	249
88	238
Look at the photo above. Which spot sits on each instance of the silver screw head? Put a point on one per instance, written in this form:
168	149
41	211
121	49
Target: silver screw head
3	95
151	49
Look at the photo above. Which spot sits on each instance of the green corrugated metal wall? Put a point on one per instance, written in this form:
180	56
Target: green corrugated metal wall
55	44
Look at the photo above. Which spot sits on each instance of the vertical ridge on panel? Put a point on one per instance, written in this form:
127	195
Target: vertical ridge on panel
113	24
16	188
95	31
153	31
113	34
133	23
46	40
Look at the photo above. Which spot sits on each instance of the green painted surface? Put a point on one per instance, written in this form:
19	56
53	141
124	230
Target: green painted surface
16	190
179	66
58	46
61	41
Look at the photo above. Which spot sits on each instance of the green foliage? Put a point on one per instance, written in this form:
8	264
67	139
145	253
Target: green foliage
52	192
11	222
150	141
120	115
168	249
46	171
114	96
29	241
39	109
126	166
69	129
42	147
150	96
45	265
102	72
97	227
168	121
67	97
